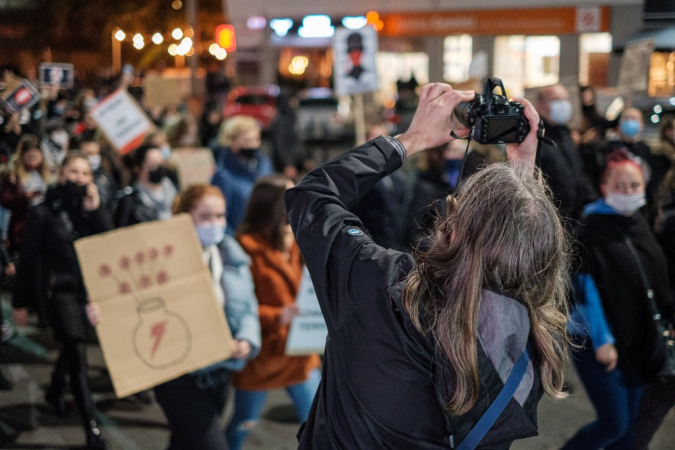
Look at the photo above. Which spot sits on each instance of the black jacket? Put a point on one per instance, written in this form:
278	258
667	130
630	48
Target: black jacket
379	387
47	250
131	210
563	168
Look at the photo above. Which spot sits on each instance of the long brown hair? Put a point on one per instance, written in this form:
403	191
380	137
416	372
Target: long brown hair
501	232
266	211
27	143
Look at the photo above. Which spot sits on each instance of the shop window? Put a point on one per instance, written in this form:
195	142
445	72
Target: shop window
662	74
527	62
594	51
457	52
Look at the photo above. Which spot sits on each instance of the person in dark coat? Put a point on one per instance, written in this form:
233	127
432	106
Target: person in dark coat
151	196
71	211
563	166
403	367
107	187
288	155
612	317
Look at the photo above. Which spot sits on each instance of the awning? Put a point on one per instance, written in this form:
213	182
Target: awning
664	38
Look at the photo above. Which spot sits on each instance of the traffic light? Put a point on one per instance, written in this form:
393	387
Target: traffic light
226	38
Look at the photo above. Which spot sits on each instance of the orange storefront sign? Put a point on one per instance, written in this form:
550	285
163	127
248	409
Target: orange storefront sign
529	21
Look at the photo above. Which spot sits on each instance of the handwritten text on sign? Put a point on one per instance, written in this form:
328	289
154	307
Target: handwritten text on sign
122	121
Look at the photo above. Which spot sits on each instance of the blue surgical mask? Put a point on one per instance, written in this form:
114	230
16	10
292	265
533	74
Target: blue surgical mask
166	152
560	111
630	128
210	234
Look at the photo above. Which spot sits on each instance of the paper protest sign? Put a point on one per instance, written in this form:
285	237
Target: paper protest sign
355	67
160	318
635	63
195	165
20	95
308	331
122	120
165	91
60	74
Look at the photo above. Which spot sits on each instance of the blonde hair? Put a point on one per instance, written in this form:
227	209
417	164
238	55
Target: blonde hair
502	233
27	143
231	129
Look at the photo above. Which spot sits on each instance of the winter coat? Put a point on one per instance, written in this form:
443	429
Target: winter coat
277	281
131	210
241	305
14	198
236	179
383	383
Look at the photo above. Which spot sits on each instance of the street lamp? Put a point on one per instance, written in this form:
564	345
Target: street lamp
177	33
157	38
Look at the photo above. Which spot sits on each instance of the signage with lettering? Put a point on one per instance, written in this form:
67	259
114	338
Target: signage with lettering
308	330
57	73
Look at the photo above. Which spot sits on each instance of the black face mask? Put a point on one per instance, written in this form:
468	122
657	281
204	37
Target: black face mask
249	153
74	190
156	176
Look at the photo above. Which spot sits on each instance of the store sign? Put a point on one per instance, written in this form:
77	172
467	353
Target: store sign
529	21
226	37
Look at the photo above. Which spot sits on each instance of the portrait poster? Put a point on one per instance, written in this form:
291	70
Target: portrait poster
61	74
160	317
308	331
355	54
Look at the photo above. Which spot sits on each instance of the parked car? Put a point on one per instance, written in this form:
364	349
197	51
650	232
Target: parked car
324	117
257	102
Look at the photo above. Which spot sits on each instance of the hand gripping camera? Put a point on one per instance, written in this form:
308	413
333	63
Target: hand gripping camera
492	118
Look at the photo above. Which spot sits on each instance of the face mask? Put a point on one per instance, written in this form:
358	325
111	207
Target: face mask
60	138
156	176
210	233
94	161
90	103
561	111
249	153
59	110
630	128
74	190
626	204
166	152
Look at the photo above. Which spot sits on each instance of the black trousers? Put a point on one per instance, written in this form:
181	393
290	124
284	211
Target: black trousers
68	318
658	399
193	404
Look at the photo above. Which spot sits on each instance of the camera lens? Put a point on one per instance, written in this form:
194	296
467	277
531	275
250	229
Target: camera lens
464	111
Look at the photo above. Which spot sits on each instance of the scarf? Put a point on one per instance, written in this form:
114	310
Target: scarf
213	261
161	200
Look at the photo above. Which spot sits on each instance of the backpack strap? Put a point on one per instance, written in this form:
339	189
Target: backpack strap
485	423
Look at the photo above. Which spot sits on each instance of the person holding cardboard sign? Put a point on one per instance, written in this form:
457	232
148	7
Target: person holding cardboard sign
420	347
71	210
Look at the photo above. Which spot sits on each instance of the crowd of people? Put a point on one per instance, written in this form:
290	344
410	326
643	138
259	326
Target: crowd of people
61	180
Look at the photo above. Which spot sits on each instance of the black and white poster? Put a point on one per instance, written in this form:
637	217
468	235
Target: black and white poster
57	73
355	69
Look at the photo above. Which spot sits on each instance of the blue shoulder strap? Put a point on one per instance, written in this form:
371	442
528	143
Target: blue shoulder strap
485	423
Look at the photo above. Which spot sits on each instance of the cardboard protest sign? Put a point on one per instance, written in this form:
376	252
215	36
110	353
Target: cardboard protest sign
19	95
634	71
355	67
160	318
163	91
195	165
122	121
57	73
308	331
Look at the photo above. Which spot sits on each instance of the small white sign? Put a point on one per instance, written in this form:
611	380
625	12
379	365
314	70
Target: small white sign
61	74
122	121
634	71
355	68
588	19
308	331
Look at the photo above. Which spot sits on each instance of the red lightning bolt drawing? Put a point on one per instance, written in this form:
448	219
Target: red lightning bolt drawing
157	332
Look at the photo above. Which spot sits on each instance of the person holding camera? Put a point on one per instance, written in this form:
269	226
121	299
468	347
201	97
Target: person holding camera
420	347
70	211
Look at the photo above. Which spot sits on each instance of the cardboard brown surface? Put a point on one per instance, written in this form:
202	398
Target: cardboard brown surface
195	165
160	318
160	91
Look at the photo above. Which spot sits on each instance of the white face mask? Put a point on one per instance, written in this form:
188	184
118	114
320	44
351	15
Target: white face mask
560	111
94	162
210	233
626	204
60	138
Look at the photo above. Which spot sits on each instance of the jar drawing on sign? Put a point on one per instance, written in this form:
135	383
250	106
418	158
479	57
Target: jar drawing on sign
161	338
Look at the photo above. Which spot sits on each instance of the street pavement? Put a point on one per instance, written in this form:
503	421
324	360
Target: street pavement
129	424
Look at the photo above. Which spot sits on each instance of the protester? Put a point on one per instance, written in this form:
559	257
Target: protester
107	187
240	163
193	403
594	124
159	139
276	266
287	151
71	210
10	133
7	269
419	346
563	166
620	354
23	186
56	144
209	124
152	194
183	133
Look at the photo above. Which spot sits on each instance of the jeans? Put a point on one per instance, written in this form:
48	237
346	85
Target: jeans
248	406
616	398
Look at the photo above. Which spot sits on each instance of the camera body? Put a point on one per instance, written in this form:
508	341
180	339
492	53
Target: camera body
492	118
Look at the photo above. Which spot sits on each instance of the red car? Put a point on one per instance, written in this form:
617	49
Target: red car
257	102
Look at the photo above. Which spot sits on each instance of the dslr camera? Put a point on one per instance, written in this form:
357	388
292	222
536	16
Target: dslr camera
492	118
